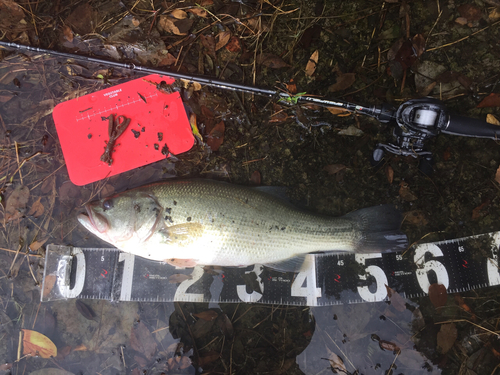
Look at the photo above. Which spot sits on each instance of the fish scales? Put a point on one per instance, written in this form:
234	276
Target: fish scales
215	223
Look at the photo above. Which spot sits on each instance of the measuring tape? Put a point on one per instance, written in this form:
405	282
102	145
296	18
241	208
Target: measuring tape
330	279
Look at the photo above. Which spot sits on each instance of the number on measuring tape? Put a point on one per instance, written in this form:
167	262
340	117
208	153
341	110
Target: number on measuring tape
181	294
311	292
64	285
381	279
432	265
242	289
492	267
127	276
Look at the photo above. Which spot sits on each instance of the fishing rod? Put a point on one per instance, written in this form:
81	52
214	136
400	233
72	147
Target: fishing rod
417	120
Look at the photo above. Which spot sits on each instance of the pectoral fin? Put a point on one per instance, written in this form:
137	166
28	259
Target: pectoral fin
181	263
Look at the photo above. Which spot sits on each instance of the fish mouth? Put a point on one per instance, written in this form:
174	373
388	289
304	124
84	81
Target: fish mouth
93	221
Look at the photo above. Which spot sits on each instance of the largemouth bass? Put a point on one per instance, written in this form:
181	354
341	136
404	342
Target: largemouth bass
207	222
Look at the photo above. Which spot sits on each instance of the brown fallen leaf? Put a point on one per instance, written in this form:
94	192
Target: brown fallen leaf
338	111
67	33
34	246
405	192
179	14
334	168
86	311
143	341
390	346
446	337
255	178
271	61
34	343
344	81
312	63
476	212
199	12
169	59
178	278
225	325
492	100
497	175
397	301
470	11
15	205
336	363
216	136
208	358
416	217
208	41
48	284
492	119
175	26
207	315
279	114
222	39
37	209
438	295
389	173
234	44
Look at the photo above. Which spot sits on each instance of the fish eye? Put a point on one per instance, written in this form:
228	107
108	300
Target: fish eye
107	204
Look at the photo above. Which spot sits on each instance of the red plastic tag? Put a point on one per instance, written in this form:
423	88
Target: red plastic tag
159	126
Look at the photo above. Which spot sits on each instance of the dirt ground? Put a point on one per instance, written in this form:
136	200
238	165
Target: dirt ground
362	52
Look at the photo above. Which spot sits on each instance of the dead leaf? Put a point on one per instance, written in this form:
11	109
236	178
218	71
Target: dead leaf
178	278
142	341
208	41
351	131
34	246
174	26
107	190
168	60
216	136
312	63
15	205
397	301
210	357
34	343
234	44
416	217
80	19
271	61
492	100
336	363
492	119
497	175
387	345
225	325
86	311
199	12
48	283
470	12
338	111
279	114
389	173
461	21
184	362
207	315
37	209
222	39
405	192
438	295
334	168
446	337
255	178
179	14
69	194
418	43
344	81
476	212
494	14
67	33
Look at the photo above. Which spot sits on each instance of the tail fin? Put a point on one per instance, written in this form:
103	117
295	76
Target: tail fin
380	229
